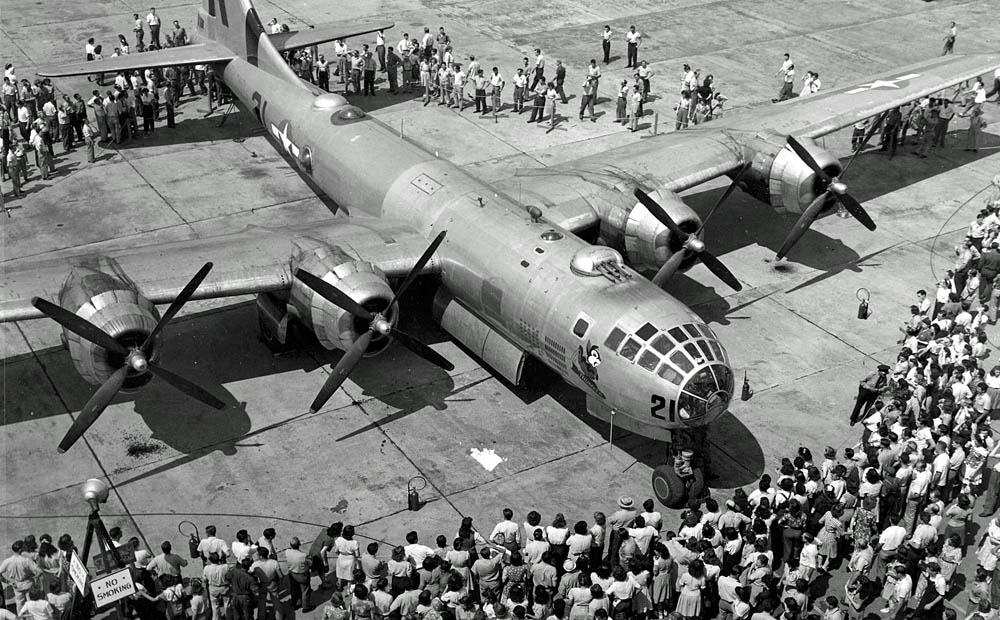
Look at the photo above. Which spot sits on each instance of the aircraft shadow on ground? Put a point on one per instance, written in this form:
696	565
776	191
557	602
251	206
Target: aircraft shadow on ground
736	453
193	125
217	348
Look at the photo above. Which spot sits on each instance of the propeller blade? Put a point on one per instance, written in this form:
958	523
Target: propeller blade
186	386
721	271
805	221
417	267
670	267
422	350
868	136
659	213
806	157
333	295
725	196
179	302
343	368
854	208
79	326
94	408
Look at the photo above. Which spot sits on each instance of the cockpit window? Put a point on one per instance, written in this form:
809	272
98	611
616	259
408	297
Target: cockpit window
704	349
614	339
667	372
724	377
691	329
649	360
718	351
646	332
581	327
693	352
662	344
678	334
630	348
702	384
706	331
681	361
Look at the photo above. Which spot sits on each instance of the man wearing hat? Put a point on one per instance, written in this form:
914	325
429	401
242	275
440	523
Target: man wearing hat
869	389
620	519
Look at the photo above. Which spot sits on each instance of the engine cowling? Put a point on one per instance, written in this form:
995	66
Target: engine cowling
119	310
646	242
780	178
365	283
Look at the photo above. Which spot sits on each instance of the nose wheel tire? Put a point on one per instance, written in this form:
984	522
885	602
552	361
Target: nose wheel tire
668	487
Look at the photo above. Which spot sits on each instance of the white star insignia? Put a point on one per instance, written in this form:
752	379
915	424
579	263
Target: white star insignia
882	84
286	142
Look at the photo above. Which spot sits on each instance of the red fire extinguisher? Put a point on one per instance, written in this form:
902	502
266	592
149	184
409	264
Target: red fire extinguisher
413	501
864	311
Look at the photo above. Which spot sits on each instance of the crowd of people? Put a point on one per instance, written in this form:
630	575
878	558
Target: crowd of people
34	116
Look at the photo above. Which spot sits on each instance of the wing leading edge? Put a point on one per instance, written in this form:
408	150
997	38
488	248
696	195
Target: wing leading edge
195	54
255	260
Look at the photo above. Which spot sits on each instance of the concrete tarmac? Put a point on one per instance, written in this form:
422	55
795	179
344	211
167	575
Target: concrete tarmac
266	462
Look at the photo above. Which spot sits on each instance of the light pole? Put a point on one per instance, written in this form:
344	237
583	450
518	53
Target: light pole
96	492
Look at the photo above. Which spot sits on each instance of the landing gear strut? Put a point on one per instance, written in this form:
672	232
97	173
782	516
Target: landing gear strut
682	478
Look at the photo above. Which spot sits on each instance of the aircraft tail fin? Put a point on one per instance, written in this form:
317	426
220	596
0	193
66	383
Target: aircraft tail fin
236	25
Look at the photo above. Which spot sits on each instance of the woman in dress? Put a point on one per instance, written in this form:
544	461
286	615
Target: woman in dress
335	609
663	579
993	389
957	518
460	561
557	534
865	523
50	563
400	571
831	530
640	578
348	551
578	599
975	460
362	607
514	574
690	585
951	557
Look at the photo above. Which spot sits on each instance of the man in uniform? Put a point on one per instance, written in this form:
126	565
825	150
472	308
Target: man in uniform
869	390
392	70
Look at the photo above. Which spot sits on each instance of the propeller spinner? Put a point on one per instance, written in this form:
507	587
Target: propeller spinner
136	358
835	188
378	322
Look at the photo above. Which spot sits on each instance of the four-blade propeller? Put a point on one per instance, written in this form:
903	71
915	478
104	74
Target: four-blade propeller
136	361
834	188
379	325
692	244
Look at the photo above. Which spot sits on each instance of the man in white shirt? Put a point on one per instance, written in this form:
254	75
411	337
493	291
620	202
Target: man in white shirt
154	27
924	534
889	542
539	69
606	44
507	533
536	547
643	534
652	517
919	485
496	87
633	39
415	551
940	466
211	544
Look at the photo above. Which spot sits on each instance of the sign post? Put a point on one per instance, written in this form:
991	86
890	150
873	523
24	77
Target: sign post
78	572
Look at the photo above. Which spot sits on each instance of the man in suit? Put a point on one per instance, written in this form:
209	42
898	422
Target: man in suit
989	267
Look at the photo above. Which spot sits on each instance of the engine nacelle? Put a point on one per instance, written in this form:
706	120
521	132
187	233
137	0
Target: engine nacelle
365	283
119	310
780	178
646	242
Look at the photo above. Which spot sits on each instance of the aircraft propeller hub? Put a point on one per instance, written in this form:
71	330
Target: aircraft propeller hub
381	326
137	361
837	187
695	245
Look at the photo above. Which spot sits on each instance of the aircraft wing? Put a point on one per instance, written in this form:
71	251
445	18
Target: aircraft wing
828	111
324	33
195	54
254	260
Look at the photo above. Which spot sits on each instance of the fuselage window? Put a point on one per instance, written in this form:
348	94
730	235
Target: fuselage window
646	332
630	348
581	327
614	339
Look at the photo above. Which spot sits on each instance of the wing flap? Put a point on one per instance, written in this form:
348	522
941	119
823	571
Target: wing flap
325	33
195	54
